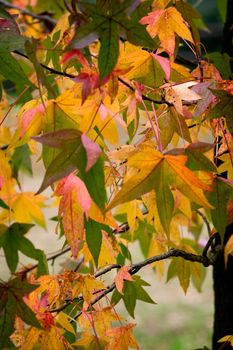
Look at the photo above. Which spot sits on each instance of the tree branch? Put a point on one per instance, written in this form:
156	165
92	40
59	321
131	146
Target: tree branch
145	98
40	17
204	260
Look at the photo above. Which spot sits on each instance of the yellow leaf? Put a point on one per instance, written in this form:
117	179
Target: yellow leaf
186	181
227	338
122	338
49	339
143	181
109	250
27	208
166	23
157	247
102	319
150	163
87	286
64	320
73	221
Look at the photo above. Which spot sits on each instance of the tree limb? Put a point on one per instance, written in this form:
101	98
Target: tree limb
40	17
204	260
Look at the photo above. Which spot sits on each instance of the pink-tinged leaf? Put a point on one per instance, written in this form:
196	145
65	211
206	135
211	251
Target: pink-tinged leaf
1	181
73	221
164	63
123	275
92	149
58	139
90	81
75	184
75	53
207	97
74	203
28	117
85	41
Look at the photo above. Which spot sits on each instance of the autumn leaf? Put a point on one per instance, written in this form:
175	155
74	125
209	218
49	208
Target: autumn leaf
123	274
74	203
166	23
107	23
27	208
87	286
122	338
12	305
159	173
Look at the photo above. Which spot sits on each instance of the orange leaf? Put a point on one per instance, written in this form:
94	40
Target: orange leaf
122	338
166	23
74	203
123	274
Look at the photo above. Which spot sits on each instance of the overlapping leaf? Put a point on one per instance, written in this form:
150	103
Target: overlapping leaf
159	172
12	305
13	241
166	23
109	21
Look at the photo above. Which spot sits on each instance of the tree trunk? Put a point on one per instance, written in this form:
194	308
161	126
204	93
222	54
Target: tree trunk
223	293
223	275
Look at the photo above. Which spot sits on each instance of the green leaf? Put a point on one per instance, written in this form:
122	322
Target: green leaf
222	63
7	320
196	159
224	108
12	240
12	293
219	198
222	7
131	292
141	293
11	70
137	34
64	163
129	297
109	49
28	249
26	314
4	205
21	160
94	237
95	183
11	41
164	198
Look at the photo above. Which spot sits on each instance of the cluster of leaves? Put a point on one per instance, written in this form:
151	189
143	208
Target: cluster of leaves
121	127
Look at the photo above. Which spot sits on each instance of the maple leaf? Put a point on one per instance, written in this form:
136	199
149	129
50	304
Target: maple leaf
87	286
107	22
12	304
122	338
78	152
12	240
27	208
74	203
166	23
159	172
123	274
147	68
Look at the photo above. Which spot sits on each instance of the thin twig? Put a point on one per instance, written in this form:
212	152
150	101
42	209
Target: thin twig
204	218
53	257
44	18
136	267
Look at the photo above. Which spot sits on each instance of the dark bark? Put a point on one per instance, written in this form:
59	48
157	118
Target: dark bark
223	292
223	275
